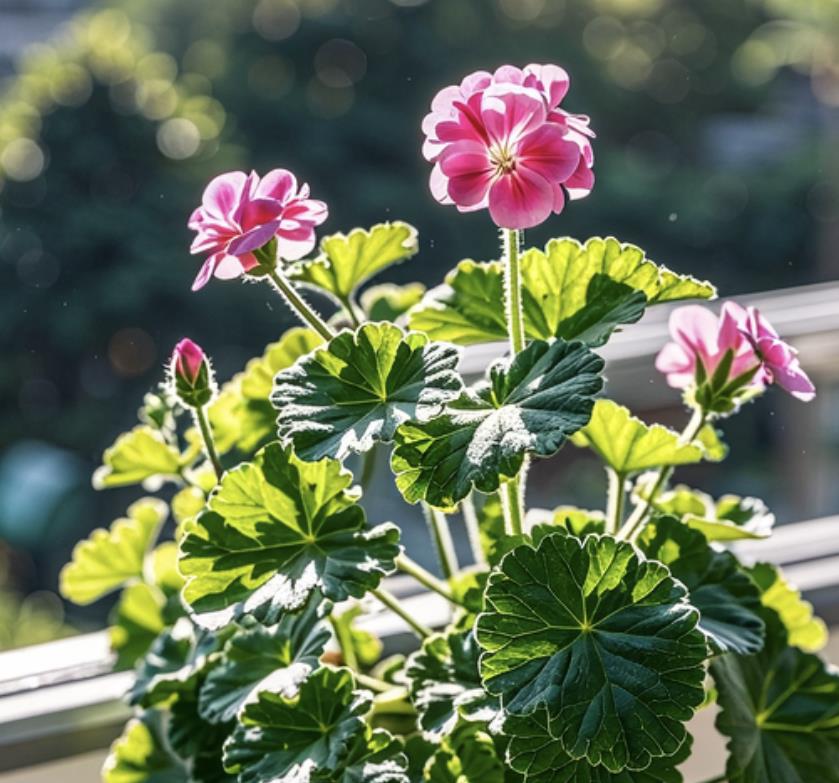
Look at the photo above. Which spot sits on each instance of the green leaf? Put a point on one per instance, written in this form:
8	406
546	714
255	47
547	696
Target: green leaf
186	503
356	390
602	638
140	756
256	659
715	448
533	752
727	599
527	405
137	621
109	559
173	664
804	629
731	518
197	741
278	528
389	302
577	521
347	261
365	645
445	684
375	757
140	456
467	755
570	290
310	736
628	445
258	378
780	711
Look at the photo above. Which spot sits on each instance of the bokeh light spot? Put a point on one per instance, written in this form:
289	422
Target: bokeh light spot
131	352
276	20
178	138
22	160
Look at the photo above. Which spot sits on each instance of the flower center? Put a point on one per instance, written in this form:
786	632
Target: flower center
503	159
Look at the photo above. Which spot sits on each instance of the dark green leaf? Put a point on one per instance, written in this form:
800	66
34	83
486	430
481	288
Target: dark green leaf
467	755
601	637
256	659
446	686
727	599
277	529
570	290
108	559
529	405
780	711
541	758
343	398
196	741
375	757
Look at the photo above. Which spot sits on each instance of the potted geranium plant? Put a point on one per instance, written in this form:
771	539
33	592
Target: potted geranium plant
581	641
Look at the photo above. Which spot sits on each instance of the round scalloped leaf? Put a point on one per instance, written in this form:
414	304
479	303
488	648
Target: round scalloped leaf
355	391
628	445
570	290
256	659
534	753
347	261
108	559
311	736
602	638
727	599
140	755
445	684
467	755
389	302
780	711
277	529
375	757
140	456
527	405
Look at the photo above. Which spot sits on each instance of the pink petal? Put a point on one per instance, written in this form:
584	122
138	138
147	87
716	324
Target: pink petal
307	210
548	153
509	111
468	190
221	196
465	157
231	267
794	380
695	329
277	184
508	74
581	182
673	358
522	199
257	212
559	198
206	271
474	83
554	82
439	184
253	240
290	248
730	336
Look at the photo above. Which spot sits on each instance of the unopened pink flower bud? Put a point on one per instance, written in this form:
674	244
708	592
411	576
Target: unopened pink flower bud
187	359
192	377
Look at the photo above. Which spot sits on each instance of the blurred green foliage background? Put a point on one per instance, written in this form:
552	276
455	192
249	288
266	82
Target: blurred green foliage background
716	152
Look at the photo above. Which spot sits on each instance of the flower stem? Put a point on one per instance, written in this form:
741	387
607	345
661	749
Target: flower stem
297	303
392	603
442	536
511	502
473	529
345	645
638	518
616	500
373	683
425	578
512	284
199	415
353	311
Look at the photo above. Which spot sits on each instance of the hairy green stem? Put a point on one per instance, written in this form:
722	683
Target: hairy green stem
639	517
512	285
511	502
442	536
199	415
353	311
473	530
392	603
425	578
297	303
345	645
616	500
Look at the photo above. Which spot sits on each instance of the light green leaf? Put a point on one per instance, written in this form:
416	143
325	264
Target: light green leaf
258	377
109	559
628	445
731	518
140	756
538	756
278	528
137	620
389	302
356	390
364	645
310	736
186	503
577	521
173	663
570	290
727	599
602	638
467	756
445	684
140	456
347	261
780	711
803	628
527	405
716	450
257	659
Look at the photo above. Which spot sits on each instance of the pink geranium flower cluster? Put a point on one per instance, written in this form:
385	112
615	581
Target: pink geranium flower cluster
241	213
700	336
501	141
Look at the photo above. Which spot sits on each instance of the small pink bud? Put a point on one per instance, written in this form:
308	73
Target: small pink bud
187	360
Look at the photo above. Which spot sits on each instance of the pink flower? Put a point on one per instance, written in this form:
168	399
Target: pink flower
501	141
700	336
240	213
187	360
779	360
